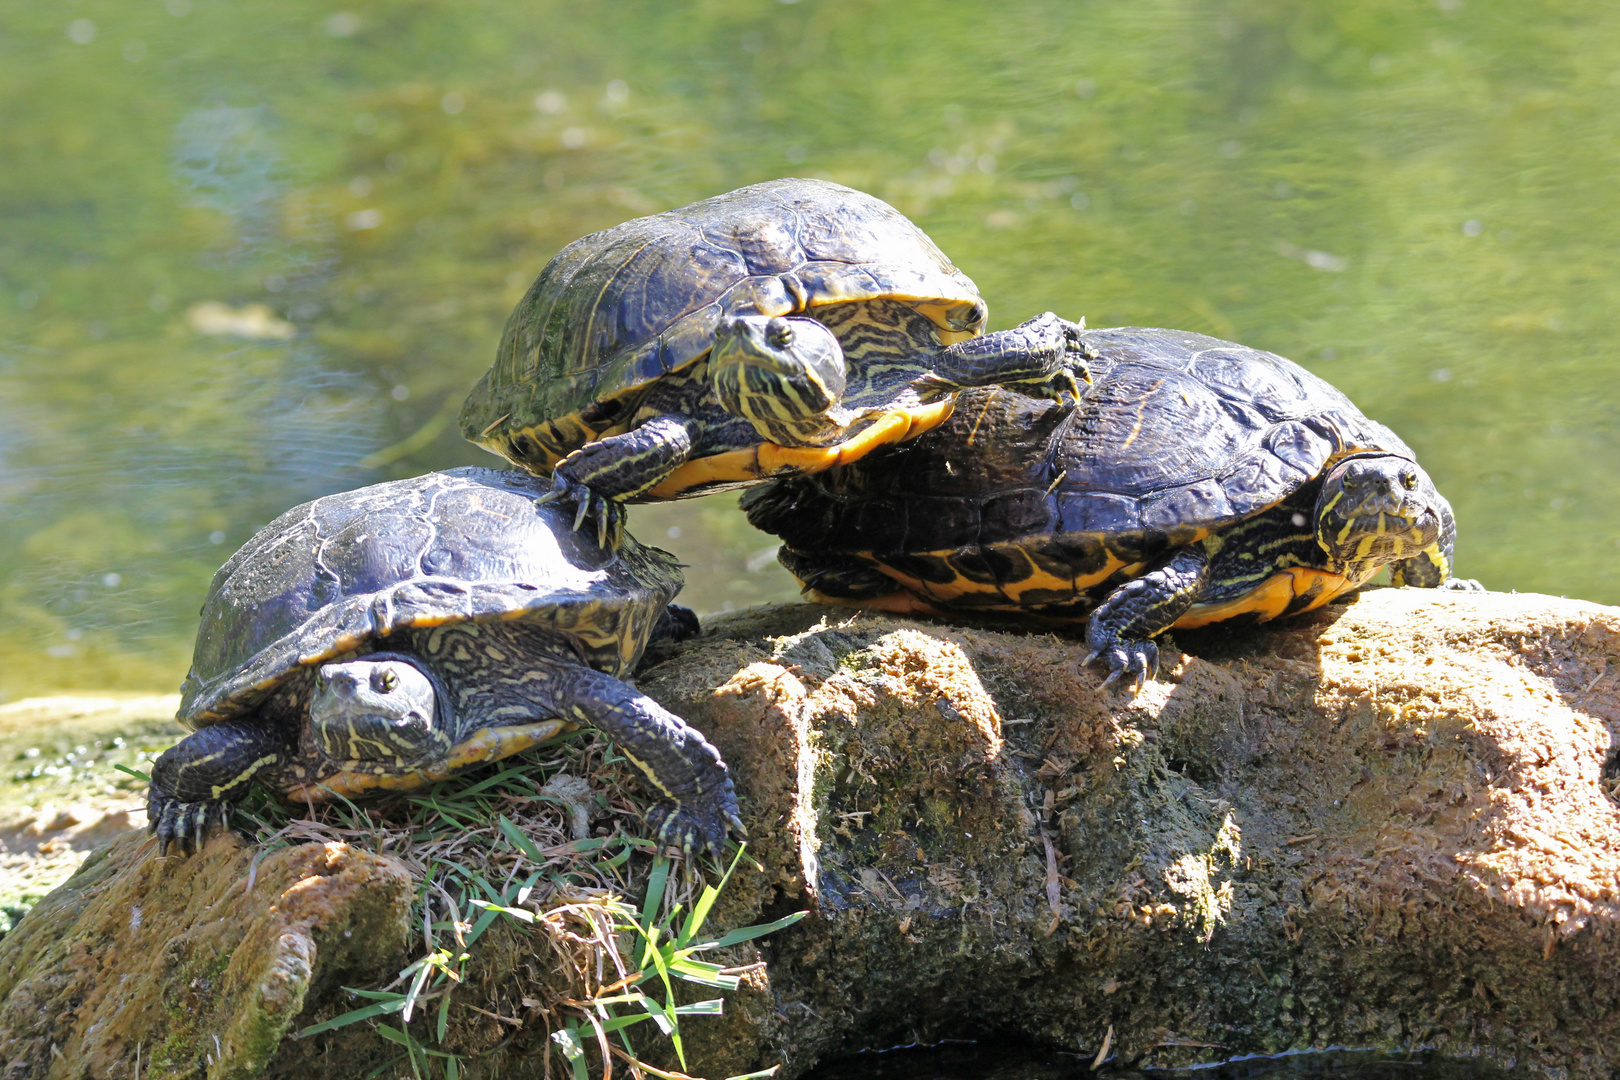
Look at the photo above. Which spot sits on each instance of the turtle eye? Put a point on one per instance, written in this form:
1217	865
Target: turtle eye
779	333
1408	479
383	680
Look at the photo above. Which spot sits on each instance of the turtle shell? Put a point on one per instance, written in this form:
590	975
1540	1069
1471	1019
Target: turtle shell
618	309
1178	436
343	572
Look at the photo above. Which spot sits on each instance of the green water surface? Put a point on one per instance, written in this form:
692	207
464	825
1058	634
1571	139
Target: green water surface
1417	200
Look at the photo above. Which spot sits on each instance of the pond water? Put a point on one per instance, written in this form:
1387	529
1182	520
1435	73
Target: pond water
1003	1059
253	252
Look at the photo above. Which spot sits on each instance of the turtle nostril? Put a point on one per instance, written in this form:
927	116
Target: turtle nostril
339	680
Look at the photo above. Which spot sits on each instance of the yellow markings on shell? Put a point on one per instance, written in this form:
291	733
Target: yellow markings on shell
984	410
765	460
1272	597
1038	580
484	745
1141	408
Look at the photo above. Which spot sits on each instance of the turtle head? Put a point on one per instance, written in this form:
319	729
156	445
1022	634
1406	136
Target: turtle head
780	374
1376	509
384	707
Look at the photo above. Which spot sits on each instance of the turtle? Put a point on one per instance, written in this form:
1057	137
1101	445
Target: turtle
1197	481
397	634
784	327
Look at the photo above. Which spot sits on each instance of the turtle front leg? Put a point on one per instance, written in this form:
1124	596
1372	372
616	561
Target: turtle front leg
699	804
1041	358
197	782
1121	629
600	475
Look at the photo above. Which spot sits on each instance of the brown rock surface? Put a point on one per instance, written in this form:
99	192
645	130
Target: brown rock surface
1383	824
190	967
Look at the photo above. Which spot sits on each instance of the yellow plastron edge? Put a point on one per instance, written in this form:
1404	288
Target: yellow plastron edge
485	744
765	460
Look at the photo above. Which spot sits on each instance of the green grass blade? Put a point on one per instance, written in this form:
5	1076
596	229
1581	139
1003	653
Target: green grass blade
749	933
703	974
711	893
381	1008
444	1019
772	1071
384	1067
572	1049
520	914
518	840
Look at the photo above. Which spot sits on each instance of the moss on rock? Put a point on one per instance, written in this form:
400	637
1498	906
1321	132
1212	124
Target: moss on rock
1388	823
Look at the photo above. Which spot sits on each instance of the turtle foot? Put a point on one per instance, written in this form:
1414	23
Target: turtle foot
183	825
1138	660
676	623
598	513
697	823
1463	584
1062	341
1062	387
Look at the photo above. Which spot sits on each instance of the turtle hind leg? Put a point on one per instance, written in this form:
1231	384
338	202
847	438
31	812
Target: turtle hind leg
197	782
1120	631
838	577
699	806
675	623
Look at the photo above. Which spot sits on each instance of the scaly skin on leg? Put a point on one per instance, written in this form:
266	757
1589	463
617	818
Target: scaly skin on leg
699	803
197	782
600	475
1041	358
1121	629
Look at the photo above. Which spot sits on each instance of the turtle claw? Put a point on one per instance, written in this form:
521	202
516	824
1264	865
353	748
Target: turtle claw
183	826
606	514
697	824
1137	661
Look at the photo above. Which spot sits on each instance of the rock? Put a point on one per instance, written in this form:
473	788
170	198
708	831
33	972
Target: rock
1387	823
190	965
1383	824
